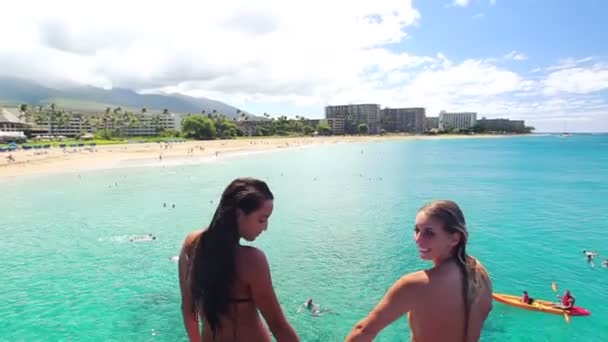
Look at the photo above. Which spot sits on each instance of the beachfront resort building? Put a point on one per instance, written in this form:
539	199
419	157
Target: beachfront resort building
407	120
354	115
12	125
143	125
336	125
456	121
502	125
431	124
75	124
11	120
154	123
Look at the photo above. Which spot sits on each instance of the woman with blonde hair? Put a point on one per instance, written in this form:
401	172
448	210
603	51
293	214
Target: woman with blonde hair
448	302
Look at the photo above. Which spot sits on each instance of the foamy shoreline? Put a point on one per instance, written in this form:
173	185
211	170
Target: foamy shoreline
55	160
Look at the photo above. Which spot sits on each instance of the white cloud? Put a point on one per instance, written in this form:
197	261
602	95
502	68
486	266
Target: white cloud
271	53
567	63
577	80
478	16
516	56
461	3
492	2
270	47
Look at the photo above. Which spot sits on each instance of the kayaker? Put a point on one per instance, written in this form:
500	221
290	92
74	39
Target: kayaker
526	299
567	301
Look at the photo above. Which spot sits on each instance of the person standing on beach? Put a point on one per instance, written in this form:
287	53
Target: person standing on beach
224	283
450	301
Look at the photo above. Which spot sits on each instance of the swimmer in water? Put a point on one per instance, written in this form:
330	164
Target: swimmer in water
590	255
140	238
310	305
314	309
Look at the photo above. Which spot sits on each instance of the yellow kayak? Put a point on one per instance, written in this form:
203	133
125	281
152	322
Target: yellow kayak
538	305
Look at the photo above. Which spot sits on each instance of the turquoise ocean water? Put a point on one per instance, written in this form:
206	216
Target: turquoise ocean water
341	233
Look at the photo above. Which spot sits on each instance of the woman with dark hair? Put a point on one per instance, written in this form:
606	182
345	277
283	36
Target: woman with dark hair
450	301
225	284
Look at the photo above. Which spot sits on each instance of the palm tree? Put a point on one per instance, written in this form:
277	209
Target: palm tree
63	119
90	123
40	117
130	120
116	120
165	111
54	117
25	113
156	123
106	119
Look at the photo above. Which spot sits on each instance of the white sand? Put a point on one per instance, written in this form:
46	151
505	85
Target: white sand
53	160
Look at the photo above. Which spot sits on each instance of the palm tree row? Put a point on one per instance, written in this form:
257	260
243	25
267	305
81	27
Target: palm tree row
113	121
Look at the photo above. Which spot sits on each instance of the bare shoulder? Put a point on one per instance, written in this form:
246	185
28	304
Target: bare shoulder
482	279
252	265
486	285
412	281
192	237
483	289
253	257
189	243
419	277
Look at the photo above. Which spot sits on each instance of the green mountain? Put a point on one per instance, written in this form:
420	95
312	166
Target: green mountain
14	91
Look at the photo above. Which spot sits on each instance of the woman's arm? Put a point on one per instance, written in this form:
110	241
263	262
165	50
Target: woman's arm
265	298
397	302
570	303
190	317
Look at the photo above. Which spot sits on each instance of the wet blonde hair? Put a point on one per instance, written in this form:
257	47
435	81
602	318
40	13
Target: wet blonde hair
474	275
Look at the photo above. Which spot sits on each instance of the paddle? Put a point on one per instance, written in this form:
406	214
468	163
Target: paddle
566	316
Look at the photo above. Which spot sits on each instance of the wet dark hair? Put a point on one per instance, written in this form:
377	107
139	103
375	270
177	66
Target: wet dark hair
452	218
213	269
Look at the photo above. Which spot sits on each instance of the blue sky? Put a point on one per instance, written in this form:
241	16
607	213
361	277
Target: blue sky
542	61
545	31
543	34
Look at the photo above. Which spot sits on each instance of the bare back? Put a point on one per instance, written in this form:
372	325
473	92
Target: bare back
242	322
433	301
438	311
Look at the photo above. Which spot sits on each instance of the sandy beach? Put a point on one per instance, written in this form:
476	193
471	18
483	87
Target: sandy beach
54	160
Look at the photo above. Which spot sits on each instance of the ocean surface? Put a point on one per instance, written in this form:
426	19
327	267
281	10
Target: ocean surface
341	233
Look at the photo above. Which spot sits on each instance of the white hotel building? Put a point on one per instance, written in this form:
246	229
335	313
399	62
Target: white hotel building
456	121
